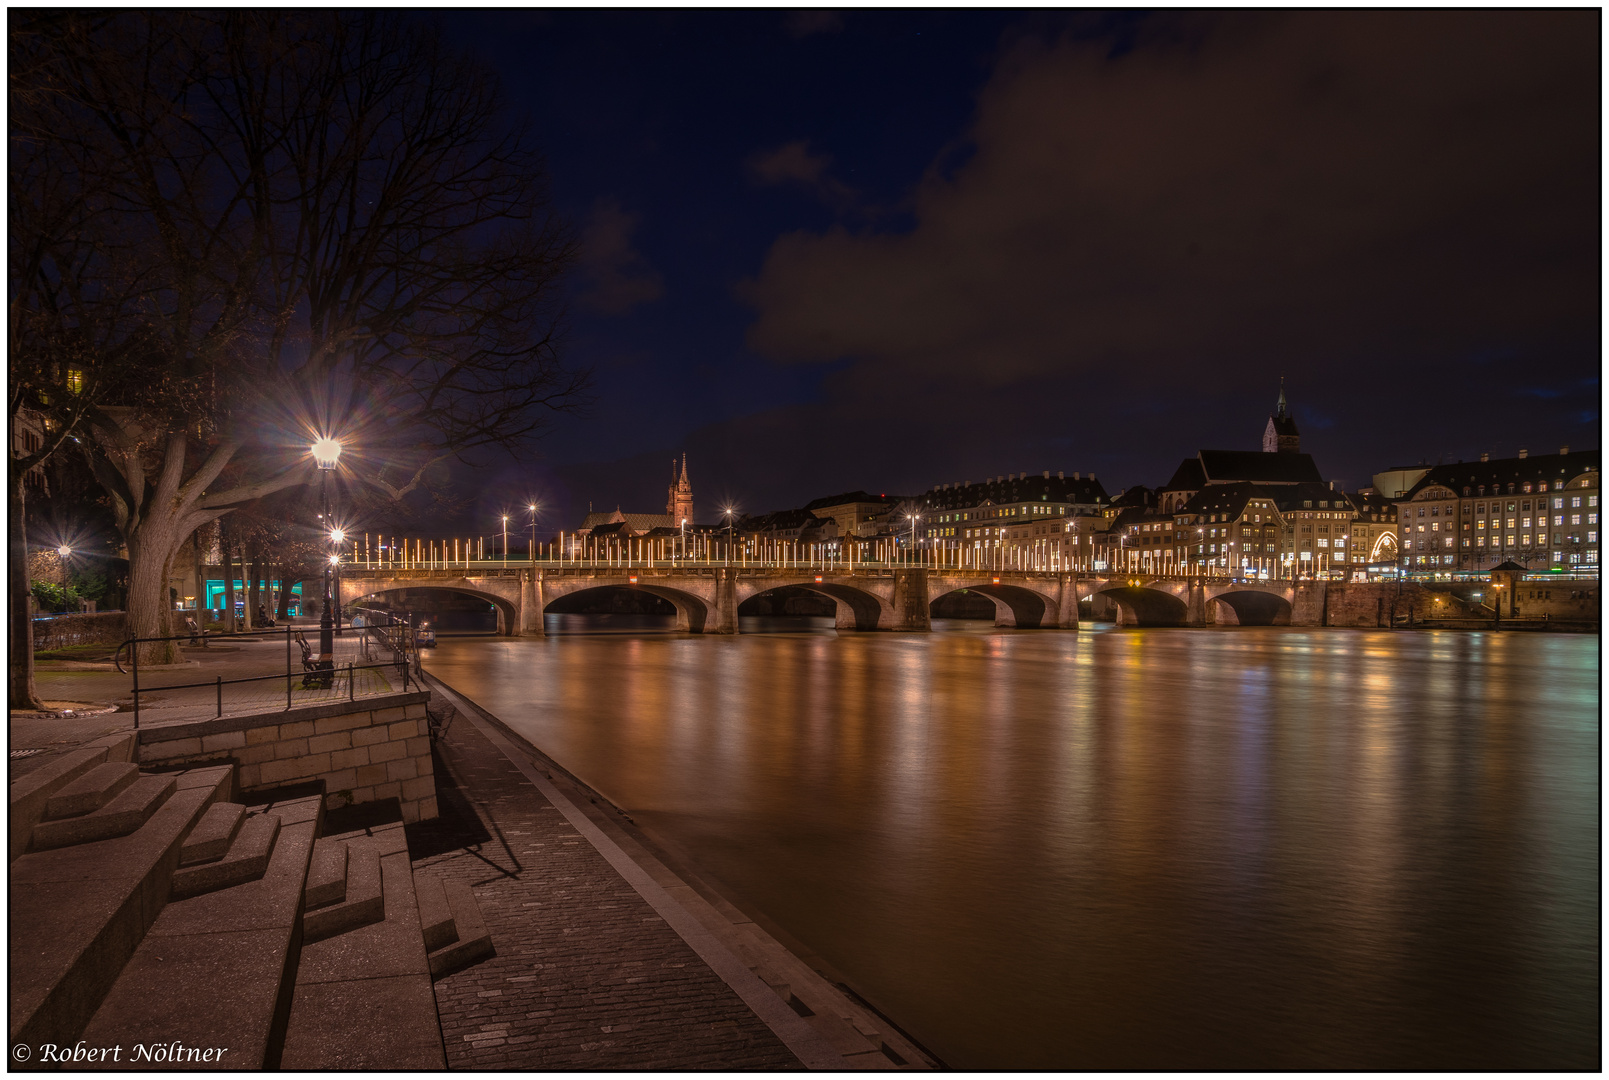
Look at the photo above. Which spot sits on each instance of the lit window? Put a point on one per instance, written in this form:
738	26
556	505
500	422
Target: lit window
1575	500
1575	519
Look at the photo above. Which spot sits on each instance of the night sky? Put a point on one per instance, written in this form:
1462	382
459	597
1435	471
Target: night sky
885	250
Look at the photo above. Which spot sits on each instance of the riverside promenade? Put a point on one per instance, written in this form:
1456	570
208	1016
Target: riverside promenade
604	957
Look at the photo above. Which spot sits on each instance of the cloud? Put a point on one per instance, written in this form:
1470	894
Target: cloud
802	24
793	163
616	275
1329	194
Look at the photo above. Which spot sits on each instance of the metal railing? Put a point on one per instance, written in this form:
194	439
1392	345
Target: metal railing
365	661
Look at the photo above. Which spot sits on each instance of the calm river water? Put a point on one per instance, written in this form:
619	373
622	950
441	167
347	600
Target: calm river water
1158	849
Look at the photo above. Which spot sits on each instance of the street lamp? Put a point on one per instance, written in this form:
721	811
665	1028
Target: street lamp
326	451
505	540
728	513
914	518
532	509
63	552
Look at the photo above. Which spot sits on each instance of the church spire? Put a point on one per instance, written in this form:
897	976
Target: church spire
1281	436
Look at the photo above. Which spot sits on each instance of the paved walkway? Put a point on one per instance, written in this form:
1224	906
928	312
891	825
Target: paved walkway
588	974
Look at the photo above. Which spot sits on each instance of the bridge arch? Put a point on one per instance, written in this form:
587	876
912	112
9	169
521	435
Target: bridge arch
507	610
1249	608
856	609
692	613
1139	606
1014	605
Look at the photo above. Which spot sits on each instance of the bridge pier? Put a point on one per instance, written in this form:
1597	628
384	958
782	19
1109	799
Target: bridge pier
723	616
910	600
1195	607
531	605
1067	603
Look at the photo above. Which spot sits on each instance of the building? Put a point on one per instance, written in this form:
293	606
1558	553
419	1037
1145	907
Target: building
856	513
968	515
1281	436
1279	463
678	511
679	502
1540	512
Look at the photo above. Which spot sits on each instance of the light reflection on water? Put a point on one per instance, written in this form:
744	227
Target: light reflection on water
1258	848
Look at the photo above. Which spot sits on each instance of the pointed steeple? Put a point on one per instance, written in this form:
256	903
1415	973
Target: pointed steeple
1281	436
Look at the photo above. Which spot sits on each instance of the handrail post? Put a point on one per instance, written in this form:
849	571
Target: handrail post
220	695
135	644
287	664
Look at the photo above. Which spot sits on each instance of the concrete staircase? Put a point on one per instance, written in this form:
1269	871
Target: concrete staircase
156	912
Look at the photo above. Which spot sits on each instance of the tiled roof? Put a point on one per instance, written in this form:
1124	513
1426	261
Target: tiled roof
1085	490
846	498
1258	467
1187	477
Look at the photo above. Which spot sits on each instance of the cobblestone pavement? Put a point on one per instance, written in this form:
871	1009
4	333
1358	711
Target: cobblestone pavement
586	975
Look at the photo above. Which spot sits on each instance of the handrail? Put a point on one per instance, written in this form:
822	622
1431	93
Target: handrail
395	636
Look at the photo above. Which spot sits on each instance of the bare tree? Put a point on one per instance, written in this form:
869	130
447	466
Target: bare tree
329	227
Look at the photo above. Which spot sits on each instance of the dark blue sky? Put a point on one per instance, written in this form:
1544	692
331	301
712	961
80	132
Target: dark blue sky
892	249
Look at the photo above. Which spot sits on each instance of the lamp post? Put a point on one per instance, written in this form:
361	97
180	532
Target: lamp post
728	513
62	554
326	452
913	518
505	541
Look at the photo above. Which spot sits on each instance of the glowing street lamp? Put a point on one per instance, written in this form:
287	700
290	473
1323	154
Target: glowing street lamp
63	552
327	452
505	540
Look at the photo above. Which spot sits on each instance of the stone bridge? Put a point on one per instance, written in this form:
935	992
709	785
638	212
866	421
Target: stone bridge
707	598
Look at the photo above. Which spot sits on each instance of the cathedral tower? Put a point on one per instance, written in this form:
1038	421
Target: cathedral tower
1281	436
680	504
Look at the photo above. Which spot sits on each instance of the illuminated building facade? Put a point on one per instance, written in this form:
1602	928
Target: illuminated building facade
1538	511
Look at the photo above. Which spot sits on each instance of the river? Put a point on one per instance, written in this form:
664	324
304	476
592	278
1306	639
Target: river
1243	848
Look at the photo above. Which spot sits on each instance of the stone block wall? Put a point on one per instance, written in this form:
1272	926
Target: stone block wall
363	751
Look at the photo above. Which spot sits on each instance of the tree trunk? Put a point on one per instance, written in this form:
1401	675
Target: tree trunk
226	549
150	553
284	595
23	694
248	583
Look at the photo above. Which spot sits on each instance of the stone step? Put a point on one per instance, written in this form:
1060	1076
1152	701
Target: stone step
31	791
78	913
364	903
216	970
435	914
126	812
213	834
473	941
246	860
91	791
326	878
363	999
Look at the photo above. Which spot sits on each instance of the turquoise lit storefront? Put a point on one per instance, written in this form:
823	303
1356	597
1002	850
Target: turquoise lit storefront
268	590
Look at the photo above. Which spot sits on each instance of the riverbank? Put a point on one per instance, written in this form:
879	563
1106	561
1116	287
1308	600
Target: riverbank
561	972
